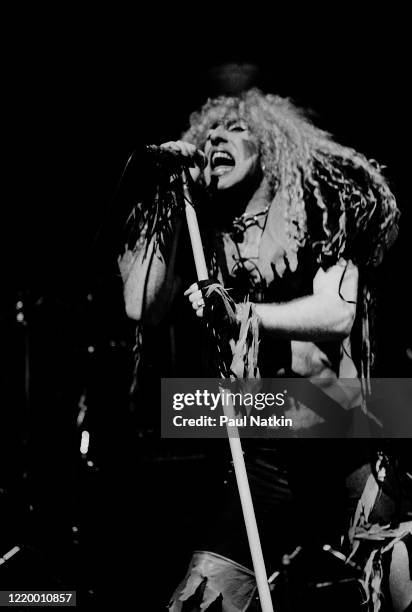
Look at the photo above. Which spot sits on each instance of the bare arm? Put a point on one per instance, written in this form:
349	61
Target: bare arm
327	314
149	280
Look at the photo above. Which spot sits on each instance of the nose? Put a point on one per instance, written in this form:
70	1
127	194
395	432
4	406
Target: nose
217	135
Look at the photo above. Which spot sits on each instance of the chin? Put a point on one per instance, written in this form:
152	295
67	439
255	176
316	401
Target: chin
226	182
222	185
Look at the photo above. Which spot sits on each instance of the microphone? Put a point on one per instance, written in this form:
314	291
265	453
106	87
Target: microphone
174	159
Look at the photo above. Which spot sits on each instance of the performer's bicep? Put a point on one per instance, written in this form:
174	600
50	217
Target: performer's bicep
340	280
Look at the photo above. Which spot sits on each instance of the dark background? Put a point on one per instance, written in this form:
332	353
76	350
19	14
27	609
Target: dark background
82	92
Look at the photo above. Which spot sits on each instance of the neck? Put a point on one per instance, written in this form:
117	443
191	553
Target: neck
226	205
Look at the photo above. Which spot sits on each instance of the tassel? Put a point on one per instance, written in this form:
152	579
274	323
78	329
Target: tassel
236	332
245	350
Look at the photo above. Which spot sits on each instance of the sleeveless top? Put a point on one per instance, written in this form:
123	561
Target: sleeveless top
256	264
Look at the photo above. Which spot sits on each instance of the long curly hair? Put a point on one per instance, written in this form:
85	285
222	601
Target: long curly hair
333	196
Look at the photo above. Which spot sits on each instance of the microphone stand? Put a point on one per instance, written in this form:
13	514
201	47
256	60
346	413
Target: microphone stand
233	433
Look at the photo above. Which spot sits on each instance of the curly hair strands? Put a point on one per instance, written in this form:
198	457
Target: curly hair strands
344	192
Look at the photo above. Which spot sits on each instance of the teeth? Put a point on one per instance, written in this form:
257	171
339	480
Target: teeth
222	160
221	155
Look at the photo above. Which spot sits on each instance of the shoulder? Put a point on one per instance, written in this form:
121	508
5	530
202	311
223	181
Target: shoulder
341	279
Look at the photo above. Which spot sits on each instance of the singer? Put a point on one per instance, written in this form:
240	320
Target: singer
296	224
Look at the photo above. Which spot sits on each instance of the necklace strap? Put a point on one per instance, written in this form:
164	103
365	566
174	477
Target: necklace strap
252	214
241	224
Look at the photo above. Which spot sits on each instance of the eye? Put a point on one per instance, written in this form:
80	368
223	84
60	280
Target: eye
237	126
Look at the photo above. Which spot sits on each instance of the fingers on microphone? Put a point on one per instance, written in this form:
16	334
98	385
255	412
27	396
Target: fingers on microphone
171	146
187	148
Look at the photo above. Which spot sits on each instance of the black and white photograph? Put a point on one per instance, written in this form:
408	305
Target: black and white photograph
205	316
